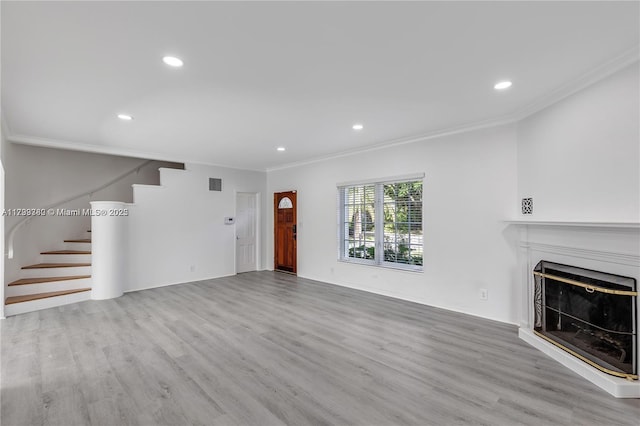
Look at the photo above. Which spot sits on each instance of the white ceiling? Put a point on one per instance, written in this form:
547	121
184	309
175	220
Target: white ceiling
294	74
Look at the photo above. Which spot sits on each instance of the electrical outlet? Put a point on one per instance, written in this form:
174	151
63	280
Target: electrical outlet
484	294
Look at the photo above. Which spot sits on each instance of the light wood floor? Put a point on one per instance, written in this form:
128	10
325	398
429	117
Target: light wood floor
270	349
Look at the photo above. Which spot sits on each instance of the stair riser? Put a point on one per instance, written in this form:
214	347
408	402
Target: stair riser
65	258
21	290
51	302
76	246
55	272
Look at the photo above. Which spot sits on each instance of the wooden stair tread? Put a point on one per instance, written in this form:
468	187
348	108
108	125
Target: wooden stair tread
29	297
55	265
83	240
25	281
67	252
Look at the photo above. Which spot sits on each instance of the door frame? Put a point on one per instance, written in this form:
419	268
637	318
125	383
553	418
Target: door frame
275	237
2	262
258	256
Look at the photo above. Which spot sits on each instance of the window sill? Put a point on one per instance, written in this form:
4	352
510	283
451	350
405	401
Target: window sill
392	266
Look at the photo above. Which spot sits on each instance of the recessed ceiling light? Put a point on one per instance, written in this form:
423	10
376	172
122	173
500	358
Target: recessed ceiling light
357	126
502	85
172	61
281	148
125	117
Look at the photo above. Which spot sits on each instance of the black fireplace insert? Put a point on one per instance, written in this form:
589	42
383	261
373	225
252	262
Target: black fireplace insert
589	314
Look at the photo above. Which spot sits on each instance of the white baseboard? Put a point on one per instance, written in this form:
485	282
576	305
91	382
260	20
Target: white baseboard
616	386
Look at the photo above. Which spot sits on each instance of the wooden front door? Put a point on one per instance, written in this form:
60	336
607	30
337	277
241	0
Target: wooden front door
285	231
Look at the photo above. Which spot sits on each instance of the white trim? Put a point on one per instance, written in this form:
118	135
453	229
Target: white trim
588	78
144	185
358	261
406	267
398	142
394	295
616	386
603	256
197	280
378	260
259	257
46	303
575	240
390	179
626	225
258	220
112	150
3	288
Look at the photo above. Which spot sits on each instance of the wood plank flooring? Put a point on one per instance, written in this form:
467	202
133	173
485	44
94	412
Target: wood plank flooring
266	348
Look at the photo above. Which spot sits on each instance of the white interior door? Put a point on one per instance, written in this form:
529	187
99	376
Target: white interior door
246	232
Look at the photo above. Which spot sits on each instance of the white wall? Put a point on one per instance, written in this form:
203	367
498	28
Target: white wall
37	177
177	234
580	158
3	142
469	188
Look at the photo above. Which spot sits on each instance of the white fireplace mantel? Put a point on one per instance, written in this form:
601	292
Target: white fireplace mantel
624	225
612	247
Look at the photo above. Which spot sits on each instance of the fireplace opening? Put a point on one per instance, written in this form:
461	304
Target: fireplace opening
590	314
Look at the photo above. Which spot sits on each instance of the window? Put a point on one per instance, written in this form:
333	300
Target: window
285	203
381	223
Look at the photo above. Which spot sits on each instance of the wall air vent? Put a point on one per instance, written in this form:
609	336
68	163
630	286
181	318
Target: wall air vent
215	184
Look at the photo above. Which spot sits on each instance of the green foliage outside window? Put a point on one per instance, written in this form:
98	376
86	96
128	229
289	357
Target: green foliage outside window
399	210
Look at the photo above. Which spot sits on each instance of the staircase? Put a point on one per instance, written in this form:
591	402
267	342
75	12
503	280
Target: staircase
63	277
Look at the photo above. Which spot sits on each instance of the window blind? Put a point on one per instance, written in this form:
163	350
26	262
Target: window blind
380	223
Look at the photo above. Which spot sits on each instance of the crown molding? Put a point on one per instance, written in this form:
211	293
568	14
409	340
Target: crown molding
450	131
587	79
85	147
111	150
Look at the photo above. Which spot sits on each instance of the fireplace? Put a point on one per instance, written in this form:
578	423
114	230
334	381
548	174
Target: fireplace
589	314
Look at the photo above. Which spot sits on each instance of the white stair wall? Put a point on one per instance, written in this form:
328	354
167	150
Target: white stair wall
51	284
169	176
56	272
140	192
65	258
76	246
177	231
24	289
50	302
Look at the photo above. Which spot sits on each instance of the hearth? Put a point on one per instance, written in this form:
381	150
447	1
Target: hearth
590	314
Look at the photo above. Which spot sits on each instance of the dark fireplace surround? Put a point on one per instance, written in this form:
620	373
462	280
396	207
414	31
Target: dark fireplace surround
589	314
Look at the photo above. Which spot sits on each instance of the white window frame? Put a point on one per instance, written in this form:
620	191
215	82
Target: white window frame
343	225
